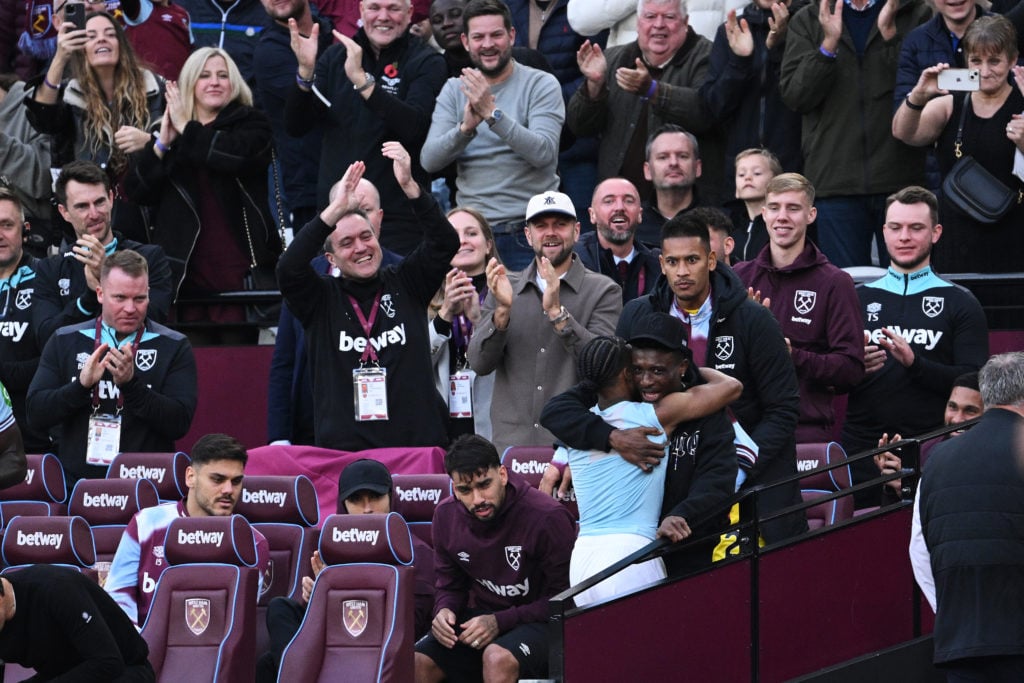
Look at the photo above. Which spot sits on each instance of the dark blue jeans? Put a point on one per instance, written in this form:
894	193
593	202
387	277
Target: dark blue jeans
846	226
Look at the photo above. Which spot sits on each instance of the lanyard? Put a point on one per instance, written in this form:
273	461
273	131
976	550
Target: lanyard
96	387
462	328
367	324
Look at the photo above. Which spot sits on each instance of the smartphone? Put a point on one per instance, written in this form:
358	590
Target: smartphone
74	14
959	79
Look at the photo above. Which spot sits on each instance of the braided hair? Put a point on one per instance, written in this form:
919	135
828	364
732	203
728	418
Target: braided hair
600	361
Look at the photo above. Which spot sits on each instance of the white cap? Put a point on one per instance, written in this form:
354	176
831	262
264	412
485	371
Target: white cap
550	202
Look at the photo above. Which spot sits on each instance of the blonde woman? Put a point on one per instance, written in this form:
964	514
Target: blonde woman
206	176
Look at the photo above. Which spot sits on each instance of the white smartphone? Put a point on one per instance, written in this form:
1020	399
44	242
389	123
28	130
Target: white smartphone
959	79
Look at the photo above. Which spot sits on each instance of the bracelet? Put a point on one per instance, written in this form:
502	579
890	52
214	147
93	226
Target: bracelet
370	80
302	81
912	106
650	90
164	149
51	86
830	55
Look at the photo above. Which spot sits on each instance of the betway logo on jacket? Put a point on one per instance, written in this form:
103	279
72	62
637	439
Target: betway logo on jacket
214	538
355	536
13	330
38	538
393	337
104	500
417	494
142	472
512	590
929	339
264	497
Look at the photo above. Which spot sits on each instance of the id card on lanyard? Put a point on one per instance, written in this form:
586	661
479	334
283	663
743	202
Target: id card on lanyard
369	383
103	439
460	393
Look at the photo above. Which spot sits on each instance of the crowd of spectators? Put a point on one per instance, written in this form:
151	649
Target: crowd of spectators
139	183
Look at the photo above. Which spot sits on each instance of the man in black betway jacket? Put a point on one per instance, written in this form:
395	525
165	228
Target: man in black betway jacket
737	336
370	319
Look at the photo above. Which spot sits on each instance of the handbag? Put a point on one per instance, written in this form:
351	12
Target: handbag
263	278
972	189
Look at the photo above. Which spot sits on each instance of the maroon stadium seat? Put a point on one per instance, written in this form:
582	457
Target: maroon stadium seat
49	540
165	470
108	505
202	622
529	462
43	492
286	511
811	456
359	623
416	497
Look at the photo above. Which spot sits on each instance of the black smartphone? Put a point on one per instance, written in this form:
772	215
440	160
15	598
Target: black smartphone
74	14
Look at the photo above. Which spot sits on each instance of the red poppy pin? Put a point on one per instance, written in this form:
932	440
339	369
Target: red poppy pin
391	70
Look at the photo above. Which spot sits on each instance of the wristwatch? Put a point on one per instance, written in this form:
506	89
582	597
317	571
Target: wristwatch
495	116
370	80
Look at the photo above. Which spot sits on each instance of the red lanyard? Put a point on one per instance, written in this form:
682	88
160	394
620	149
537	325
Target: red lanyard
367	323
96	387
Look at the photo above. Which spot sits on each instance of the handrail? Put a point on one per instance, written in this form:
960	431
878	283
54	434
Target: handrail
662	546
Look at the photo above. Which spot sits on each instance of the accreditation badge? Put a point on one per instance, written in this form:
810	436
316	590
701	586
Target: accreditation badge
104	439
460	393
371	394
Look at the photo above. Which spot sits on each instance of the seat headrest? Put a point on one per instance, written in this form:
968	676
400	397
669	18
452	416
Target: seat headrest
111	501
49	540
529	462
417	495
166	470
366	538
813	455
44	481
225	540
284	499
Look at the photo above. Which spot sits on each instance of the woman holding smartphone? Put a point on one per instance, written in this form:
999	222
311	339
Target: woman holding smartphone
991	131
105	111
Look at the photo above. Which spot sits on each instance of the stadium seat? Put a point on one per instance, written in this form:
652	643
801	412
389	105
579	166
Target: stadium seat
58	540
811	456
359	624
43	492
165	470
108	505
202	622
529	462
286	511
416	497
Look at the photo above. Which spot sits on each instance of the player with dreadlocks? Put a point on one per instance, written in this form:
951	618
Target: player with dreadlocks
620	504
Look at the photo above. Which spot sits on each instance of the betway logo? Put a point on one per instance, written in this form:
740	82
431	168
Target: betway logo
528	467
200	537
355	536
39	538
105	500
926	338
392	337
29	476
514	590
264	497
13	330
417	494
806	465
142	472
108	389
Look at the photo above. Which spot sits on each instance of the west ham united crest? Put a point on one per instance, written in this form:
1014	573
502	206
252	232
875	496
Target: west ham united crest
197	614
804	300
513	555
267	580
724	347
387	305
932	305
24	299
145	359
354	615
